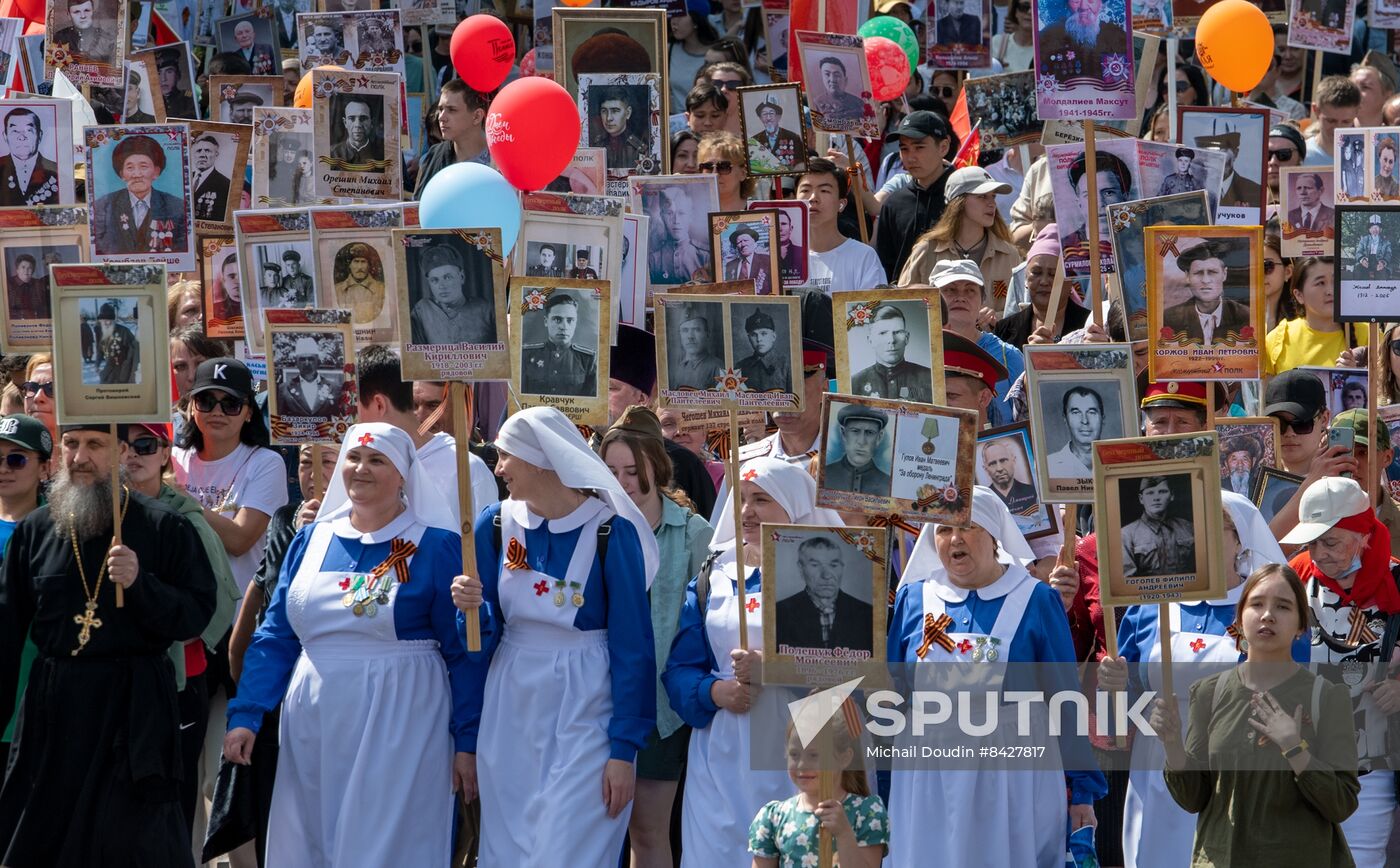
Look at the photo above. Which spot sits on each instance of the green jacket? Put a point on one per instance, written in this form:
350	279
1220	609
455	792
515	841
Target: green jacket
226	603
683	540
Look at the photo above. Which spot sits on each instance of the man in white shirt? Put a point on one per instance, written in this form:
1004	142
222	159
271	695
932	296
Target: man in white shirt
834	262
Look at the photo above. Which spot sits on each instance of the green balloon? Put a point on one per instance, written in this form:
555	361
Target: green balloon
896	31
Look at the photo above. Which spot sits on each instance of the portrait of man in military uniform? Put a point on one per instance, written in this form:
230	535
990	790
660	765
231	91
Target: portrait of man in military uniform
357	141
297	286
118	358
210	186
27	177
1182	180
675	257
890	374
173	73
359	282
1161	539
619	123
543	260
859	431
270	286
694	347
88	31
558	365
239	110
767	367
1241	136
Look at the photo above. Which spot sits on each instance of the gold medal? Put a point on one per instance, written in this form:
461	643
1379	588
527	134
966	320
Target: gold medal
348	600
358	609
559	598
578	600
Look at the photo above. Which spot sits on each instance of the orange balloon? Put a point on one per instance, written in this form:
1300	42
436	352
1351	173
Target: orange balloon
302	97
577	2
1235	44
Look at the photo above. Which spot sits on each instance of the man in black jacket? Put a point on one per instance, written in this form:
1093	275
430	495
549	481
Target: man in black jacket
925	142
823	615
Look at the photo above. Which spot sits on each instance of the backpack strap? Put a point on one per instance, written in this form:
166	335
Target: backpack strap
702	583
604	532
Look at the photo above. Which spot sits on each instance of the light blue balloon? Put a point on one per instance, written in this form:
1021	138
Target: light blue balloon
471	196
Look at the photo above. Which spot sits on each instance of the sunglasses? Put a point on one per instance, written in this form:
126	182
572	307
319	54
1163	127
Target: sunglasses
942	91
205	402
1395	348
144	445
1300	427
16	460
1270	265
32	388
1183	86
723	167
1281	154
725	85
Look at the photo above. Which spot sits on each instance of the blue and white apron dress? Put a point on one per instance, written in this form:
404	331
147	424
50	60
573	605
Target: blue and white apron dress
364	776
1157	832
980	817
723	792
543	743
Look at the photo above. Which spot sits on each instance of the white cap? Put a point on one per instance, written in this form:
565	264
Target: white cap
952	270
306	346
973	180
1323	504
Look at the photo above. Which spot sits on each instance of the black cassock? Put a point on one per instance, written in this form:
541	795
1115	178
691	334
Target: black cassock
95	765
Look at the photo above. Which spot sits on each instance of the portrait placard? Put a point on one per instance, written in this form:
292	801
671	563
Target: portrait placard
1078	395
569	246
223	287
775	138
1005	104
1205	302
1248	444
138	180
1349	169
1084	60
1006	465
1367	275
1389	415
120	373
1159	519
743	246
837	78
174	78
1306	216
355	267
621	113
452	304
961	36
365	40
1126	221
349	5
897	458
1117	167
794	219
1152	16
1273	491
889	344
724	350
1243	136
31	61
312	394
36	156
236	97
808	571
284	173
356	134
678	207
277	264
251	38
218	158
10	30
1322	25
32	241
632	297
559	346
776	23
144	103
1346	388
418	12
87	41
598	41
1165	168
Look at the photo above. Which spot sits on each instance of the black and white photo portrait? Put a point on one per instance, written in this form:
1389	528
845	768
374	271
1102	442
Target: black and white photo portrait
825	601
86	30
310	372
889	356
760	338
618	120
1242	135
321	41
116	359
27	278
678	250
559	351
451	293
284	279
291	177
695	345
211	161
544	259
357	137
859	450
1077	414
176	81
1159	537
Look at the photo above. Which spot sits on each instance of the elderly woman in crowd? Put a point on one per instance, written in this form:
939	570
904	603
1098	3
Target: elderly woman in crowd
569	693
722	154
996	613
710	680
362	639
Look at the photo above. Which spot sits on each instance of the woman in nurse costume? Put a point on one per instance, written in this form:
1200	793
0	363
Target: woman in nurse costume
999	614
1157	833
361	637
570	683
707	677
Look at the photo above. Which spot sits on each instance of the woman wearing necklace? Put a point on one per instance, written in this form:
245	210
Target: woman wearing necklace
568	695
971	228
1269	763
362	639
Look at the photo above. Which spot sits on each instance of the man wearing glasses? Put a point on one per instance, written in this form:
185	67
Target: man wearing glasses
1299	401
1286	148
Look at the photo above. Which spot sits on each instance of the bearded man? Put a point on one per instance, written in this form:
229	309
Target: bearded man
1077	45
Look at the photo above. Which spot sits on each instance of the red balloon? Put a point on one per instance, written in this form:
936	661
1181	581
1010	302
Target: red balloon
532	131
32	10
482	51
889	68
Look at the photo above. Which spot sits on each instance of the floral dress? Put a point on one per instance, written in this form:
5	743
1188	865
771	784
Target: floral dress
789	832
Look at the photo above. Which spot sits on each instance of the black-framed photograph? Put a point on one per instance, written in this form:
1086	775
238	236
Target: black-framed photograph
452	307
36	155
559	351
1006	464
1273	490
1367	275
1243	135
252	39
138	188
32	242
743	246
775	136
356	134
311	375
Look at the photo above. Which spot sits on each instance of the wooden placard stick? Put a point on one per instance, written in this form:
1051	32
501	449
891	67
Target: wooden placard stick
1164	630
116	504
1052	313
1091	171
1373	382
740	568
1172	131
460	395
1110	620
318	484
857	187
826	789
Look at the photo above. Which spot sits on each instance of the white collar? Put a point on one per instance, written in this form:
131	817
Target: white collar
439	441
1009	581
342	528
134	199
573	521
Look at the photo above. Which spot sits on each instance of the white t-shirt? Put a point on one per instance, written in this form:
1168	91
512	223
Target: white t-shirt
849	265
439	456
250	477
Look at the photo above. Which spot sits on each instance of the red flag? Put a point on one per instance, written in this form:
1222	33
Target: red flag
970	153
960	120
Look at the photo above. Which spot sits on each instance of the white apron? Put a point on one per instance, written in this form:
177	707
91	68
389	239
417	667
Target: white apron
967	817
364	775
1157	832
723	793
544	740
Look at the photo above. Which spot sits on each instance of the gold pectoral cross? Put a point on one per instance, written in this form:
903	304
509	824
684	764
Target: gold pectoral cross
87	622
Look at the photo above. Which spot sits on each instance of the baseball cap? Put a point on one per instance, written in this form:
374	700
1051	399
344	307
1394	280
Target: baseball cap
920	125
225	373
1356	420
952	270
973	180
26	432
884	7
1298	393
1323	504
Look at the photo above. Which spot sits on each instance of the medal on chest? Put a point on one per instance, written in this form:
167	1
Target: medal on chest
576	597
366	592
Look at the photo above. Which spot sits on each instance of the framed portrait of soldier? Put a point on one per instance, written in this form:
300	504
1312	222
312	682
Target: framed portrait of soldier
1321	25
621	113
452	304
173	88
222	277
826	604
775	137
276	263
776	23
881	457
284	173
1116	169
1367	275
218	157
235	97
1006	464
312	392
715	348
678	207
32	242
567	246
10	30
559	349
138	181
1078	395
1126	223
321	40
610	41
743	246
87	41
112	343
961	35
355	267
837	77
1274	490
1205	301
1243	136
36	153
356	134
889	344
1306	212
252	39
1165	168
794	220
1006	106
1159	519
1248	444
1084	57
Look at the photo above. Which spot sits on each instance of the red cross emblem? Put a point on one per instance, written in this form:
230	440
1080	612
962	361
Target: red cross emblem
366	439
964	646
752	604
750	475
345	583
541	588
1197	644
